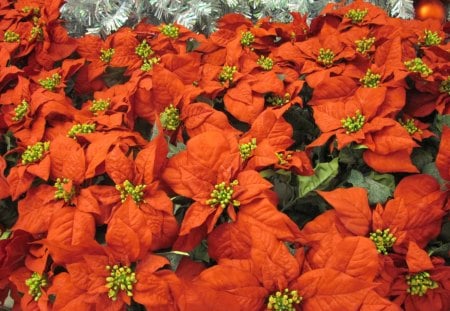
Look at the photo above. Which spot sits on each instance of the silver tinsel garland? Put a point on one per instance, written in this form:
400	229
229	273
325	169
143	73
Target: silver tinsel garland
105	16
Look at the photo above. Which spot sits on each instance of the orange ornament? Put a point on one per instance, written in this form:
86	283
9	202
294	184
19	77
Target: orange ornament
434	9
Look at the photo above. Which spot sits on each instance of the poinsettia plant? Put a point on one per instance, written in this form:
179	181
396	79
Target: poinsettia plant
269	166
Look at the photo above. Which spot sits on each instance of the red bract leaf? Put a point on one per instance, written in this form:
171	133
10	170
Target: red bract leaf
67	159
36	209
151	160
69	297
268	82
210	157
185	66
329	289
163	225
417	187
443	156
40	169
242	103
264	214
200	117
229	240
123	240
128	233
13	252
100	145
274	264
320	251
398	161
355	256
4	187
188	269
352	208
19	180
374	302
236	290
275	129
390	55
71	227
153	288
417	259
118	166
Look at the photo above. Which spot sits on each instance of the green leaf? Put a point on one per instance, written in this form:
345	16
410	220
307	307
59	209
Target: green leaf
200	252
174	258
324	173
267	173
174	149
439	122
421	157
380	186
431	169
281	76
442	250
5	235
192	44
385	179
351	156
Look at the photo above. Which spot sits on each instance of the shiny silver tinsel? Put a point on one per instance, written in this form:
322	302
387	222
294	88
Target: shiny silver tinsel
105	16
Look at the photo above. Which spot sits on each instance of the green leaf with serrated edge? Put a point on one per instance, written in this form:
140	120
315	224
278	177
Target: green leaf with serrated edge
323	174
386	179
421	157
377	192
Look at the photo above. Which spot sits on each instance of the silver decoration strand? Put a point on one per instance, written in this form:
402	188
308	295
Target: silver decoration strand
103	17
402	8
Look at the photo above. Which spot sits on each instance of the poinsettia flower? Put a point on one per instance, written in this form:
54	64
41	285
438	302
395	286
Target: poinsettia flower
424	284
417	129
129	49
359	14
236	36
266	141
30	114
54	80
164	91
209	172
110	108
170	38
36	31
358	121
295	31
251	249
141	205
34	287
35	162
417	202
101	280
321	57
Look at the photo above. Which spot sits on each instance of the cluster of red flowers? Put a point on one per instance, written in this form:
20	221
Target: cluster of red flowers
164	170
